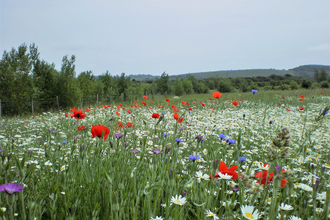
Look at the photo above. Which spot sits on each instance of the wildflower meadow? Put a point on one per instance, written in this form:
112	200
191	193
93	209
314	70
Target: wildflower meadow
255	155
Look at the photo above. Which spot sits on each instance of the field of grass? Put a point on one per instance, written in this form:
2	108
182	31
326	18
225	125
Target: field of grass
256	160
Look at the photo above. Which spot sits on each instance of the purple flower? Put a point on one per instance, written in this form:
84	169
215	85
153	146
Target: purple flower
118	136
181	128
254	91
184	193
241	159
2	150
235	189
157	152
11	188
64	142
134	151
28	151
277	168
193	158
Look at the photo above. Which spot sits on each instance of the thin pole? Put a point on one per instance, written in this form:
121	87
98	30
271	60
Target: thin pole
0	108
58	104
97	99
32	105
110	98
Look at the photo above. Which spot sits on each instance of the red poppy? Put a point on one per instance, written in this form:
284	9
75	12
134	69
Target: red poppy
98	130
155	115
180	120
105	106
172	106
224	170
280	103
120	125
283	97
211	99
167	100
183	102
81	127
240	100
129	125
301	99
128	111
176	116
77	114
235	102
301	108
88	109
187	103
145	97
118	106
263	176
66	114
217	95
302	96
117	113
288	108
144	103
190	109
176	110
203	104
160	106
152	103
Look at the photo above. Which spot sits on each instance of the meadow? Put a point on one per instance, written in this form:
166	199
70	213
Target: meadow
239	156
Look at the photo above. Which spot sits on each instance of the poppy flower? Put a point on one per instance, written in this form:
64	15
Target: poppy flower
152	103
288	108
160	106
145	97
176	110
129	125
224	170
66	114
118	106
77	114
144	103
105	106
117	113
176	116
302	96
180	120
301	108
217	95
187	103
81	127
203	104
211	99
240	100
88	109
155	115
128	111
190	109
283	97
263	176
302	99
235	102
280	103
172	106
167	100
183	102
98	130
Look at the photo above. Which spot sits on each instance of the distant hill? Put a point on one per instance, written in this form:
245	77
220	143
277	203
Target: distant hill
306	71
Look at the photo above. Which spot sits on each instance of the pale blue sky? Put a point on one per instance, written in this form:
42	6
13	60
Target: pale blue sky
176	36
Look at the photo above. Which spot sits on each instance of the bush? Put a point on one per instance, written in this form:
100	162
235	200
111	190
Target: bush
324	84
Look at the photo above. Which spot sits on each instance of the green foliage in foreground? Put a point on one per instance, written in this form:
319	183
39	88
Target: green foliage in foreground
68	175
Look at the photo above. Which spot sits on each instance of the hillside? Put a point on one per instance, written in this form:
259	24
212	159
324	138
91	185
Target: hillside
301	71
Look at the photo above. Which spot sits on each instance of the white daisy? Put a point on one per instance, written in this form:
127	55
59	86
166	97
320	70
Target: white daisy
224	176
304	187
178	200
157	218
294	218
248	212
208	213
285	207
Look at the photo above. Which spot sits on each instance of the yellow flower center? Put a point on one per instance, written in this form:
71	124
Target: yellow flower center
249	215
178	201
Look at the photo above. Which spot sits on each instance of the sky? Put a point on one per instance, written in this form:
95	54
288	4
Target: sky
172	36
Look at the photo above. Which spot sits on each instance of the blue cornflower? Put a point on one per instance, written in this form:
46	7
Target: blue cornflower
230	141
241	159
222	136
293	111
254	91
165	134
163	113
64	142
178	140
193	158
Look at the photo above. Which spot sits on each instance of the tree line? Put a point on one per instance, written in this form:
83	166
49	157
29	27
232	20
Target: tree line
24	75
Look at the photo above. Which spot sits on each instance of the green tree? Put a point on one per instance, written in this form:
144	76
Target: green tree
163	84
178	87
316	75
224	85
323	75
187	86
324	84
294	85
